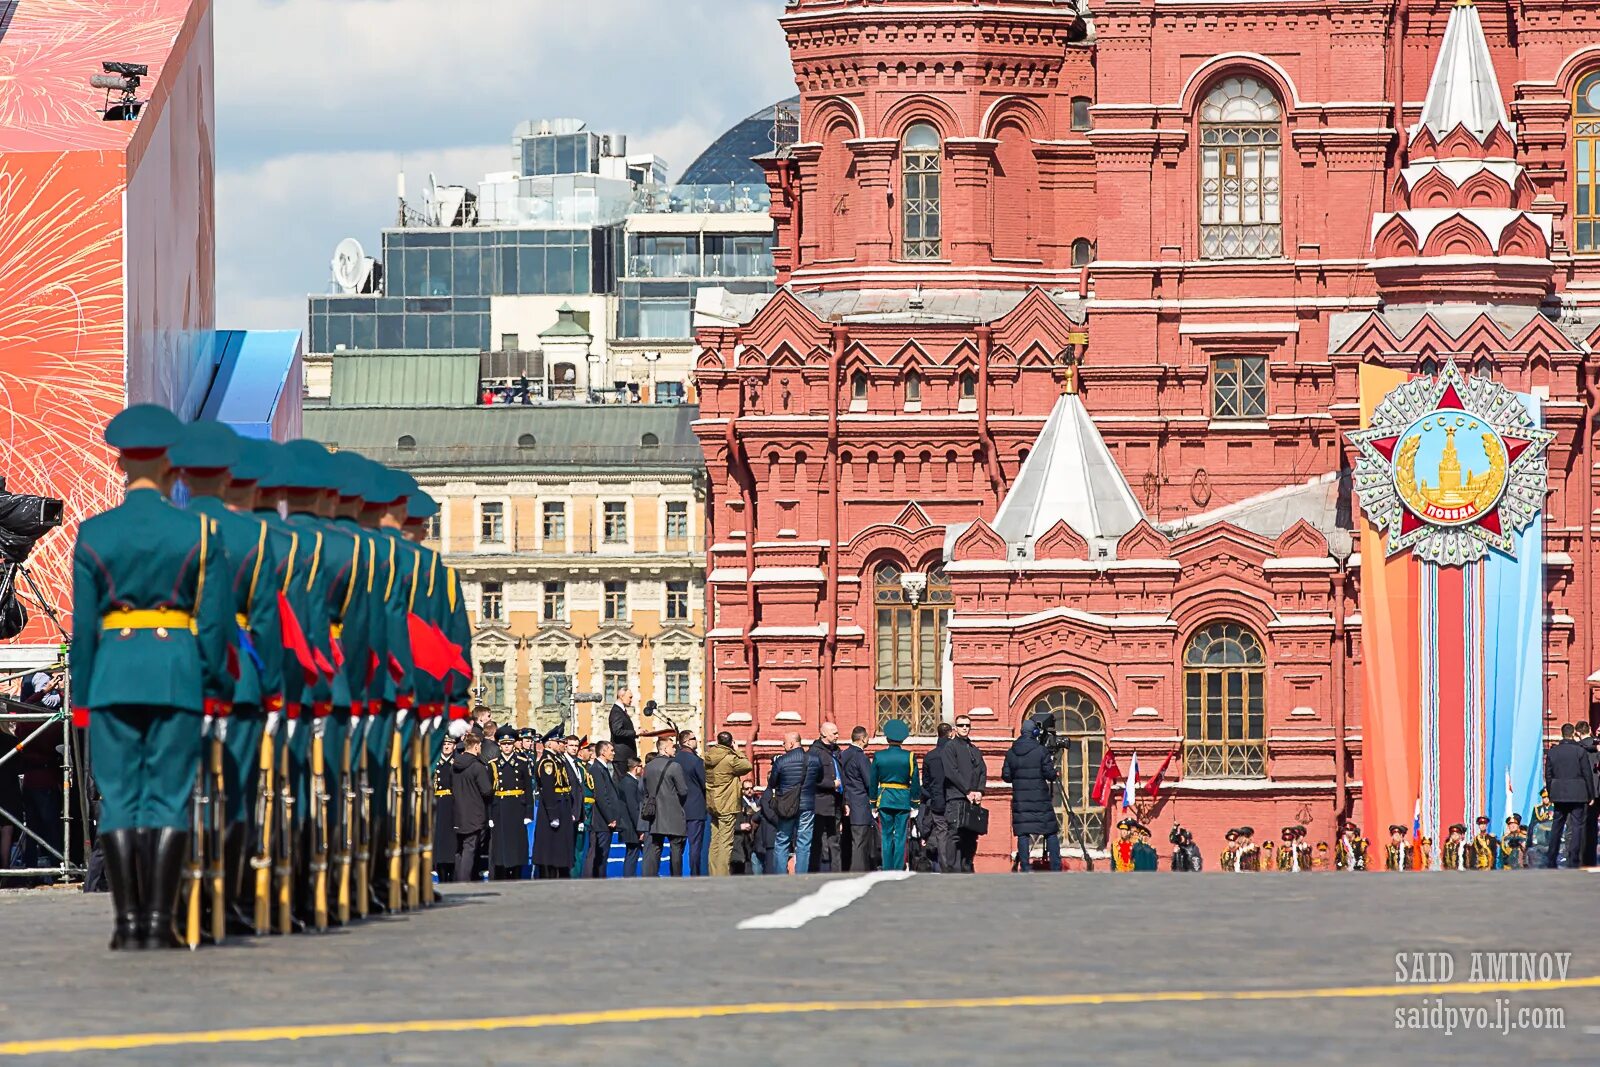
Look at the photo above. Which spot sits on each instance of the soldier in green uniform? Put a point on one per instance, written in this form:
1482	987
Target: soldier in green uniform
205	453
893	784
1513	845
583	800
1144	854
1456	855
298	618
151	631
1229	860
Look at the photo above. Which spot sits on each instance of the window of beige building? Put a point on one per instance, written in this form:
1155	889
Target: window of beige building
555	602
433	529
616	602
677	520
615	677
677	681
492	679
556	684
614	522
492	606
677	601
555	520
492	522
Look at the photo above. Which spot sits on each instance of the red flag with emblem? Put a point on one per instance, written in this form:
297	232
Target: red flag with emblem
1105	779
1153	787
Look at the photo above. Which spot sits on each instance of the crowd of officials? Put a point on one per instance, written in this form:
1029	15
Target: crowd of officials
552	806
264	656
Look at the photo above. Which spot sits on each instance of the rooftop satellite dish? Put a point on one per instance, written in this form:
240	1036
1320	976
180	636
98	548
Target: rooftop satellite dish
351	266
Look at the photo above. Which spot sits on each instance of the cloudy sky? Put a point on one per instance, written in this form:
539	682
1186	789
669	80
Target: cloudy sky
321	102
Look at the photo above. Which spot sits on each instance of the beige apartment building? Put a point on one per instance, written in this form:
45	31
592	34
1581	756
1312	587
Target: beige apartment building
578	531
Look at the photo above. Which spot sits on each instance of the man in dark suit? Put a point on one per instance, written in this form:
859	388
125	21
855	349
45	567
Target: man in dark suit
606	815
694	805
1591	815
624	735
856	771
1569	777
826	845
631	791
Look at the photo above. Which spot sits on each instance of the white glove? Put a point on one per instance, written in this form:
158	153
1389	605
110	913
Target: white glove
294	725
527	822
491	823
274	720
555	824
400	716
320	727
205	726
221	726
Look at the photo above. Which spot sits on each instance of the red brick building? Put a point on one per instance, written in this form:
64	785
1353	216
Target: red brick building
1049	409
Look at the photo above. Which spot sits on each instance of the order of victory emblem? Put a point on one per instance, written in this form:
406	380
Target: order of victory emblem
1450	467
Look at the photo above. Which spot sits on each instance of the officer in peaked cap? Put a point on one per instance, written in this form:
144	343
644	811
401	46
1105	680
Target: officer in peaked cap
149	665
205	454
892	784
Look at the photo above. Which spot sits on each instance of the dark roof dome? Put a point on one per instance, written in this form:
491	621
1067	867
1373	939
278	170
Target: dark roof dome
728	160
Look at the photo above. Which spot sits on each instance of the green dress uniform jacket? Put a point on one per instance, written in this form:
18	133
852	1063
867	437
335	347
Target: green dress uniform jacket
894	779
250	564
152	626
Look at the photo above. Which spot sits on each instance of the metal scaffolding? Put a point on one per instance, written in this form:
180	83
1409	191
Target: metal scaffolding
12	712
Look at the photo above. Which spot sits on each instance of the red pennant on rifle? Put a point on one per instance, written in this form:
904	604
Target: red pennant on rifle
294	639
425	650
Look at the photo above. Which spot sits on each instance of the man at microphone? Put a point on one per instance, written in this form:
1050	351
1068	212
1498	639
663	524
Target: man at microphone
624	735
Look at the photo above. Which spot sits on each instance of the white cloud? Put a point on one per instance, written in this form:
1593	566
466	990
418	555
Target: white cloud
318	101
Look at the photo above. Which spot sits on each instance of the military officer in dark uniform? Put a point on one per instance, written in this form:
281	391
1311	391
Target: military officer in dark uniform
894	782
204	453
555	834
152	629
508	840
444	812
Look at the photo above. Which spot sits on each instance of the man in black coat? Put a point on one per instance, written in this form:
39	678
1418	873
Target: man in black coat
964	780
472	787
607	813
624	735
630	788
694	805
1591	815
933	827
826	846
508	832
1031	769
856	771
1569	777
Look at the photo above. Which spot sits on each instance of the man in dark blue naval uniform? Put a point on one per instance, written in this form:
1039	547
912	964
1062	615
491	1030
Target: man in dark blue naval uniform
152	625
204	453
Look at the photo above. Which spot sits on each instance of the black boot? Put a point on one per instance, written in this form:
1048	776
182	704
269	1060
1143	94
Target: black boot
170	845
121	851
241	881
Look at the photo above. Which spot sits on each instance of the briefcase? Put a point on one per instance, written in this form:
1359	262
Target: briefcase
973	819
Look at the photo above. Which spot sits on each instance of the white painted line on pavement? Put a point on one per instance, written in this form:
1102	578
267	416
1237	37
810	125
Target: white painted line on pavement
825	901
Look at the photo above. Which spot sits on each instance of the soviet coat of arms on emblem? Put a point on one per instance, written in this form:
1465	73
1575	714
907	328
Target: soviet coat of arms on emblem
1450	467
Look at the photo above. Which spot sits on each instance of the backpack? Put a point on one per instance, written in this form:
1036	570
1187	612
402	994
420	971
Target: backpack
647	806
786	805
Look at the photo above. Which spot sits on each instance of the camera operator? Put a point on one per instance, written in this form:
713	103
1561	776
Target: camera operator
1185	853
1031	769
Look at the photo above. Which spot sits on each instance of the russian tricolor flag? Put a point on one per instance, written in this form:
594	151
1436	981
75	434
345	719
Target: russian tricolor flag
1131	786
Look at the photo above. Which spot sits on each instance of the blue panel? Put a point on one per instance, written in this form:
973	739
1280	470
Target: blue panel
253	382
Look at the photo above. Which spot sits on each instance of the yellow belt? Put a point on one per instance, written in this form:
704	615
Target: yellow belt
336	629
508	792
441	792
243	620
152	619
894	785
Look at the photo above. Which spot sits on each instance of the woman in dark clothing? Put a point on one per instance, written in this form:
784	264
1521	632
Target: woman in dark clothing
1031	769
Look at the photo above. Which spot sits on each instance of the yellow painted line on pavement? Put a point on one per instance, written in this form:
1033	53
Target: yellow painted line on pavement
258	1034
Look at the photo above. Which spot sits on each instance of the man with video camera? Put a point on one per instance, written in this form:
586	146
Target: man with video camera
1031	769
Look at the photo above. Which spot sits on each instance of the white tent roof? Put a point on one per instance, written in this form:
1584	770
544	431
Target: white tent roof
1464	90
1069	476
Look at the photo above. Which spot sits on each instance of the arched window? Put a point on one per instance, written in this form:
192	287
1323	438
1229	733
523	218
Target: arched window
911	613
1016	177
1586	146
913	388
407	443
858	386
649	440
919	207
1080	724
1240	171
1082	252
969	385
527	440
1224	679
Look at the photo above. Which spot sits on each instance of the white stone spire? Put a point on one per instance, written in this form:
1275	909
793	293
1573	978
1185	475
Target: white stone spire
1069	476
1464	90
